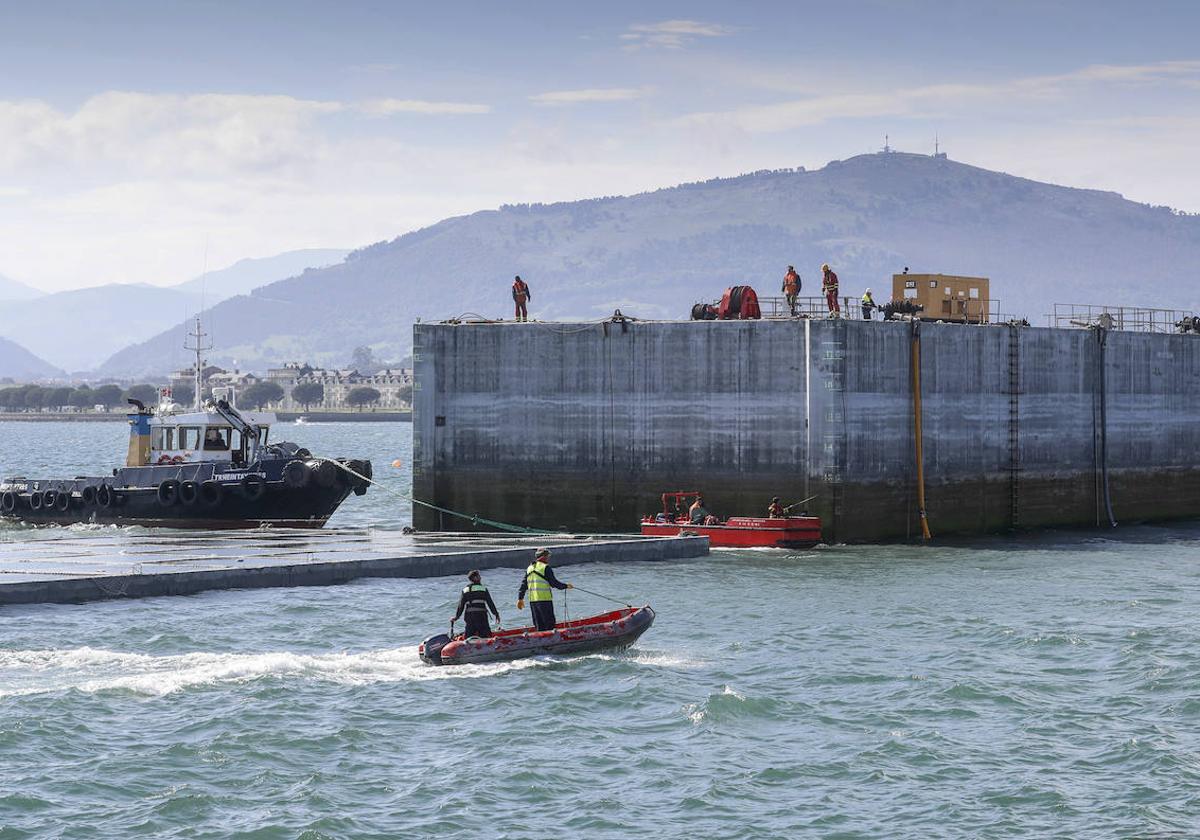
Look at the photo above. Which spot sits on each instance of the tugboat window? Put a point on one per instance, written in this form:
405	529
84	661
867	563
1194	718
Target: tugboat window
189	437
262	434
216	439
164	437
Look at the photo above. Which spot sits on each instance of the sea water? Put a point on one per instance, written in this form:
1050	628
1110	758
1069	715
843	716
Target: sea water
1040	686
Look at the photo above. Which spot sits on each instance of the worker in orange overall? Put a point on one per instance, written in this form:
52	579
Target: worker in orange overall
776	510
791	288
829	285
521	294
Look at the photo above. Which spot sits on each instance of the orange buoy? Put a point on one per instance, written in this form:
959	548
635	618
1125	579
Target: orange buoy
397	463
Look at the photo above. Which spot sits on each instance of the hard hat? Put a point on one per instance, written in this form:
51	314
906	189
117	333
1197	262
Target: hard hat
774	498
542	552
824	266
868	291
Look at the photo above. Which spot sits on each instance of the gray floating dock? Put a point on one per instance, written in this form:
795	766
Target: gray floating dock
56	566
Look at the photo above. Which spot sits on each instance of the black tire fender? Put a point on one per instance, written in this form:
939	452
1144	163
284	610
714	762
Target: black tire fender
88	495
8	501
211	494
62	501
296	474
168	492
35	500
326	472
105	496
253	486
189	492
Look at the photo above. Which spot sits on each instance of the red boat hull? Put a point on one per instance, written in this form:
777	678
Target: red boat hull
610	630
746	531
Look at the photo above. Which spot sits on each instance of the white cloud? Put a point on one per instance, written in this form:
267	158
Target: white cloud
926	100
572	97
387	107
671	34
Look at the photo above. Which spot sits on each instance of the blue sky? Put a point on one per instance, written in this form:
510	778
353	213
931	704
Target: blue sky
133	136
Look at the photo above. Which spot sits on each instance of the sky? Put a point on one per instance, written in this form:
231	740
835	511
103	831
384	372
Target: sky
143	142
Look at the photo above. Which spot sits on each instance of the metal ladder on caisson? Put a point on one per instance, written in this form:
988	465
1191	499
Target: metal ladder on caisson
1014	426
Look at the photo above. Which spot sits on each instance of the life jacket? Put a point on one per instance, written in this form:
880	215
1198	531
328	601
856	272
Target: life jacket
829	282
536	585
520	291
791	283
775	511
476	598
867	300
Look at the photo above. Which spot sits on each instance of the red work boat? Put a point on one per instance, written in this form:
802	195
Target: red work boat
734	532
616	629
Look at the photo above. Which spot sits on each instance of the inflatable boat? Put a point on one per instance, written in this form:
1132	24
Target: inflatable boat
616	629
734	532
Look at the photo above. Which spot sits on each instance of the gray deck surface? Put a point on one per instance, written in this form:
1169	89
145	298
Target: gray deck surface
57	565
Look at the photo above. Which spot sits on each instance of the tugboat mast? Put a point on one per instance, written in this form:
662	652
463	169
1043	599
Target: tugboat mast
198	372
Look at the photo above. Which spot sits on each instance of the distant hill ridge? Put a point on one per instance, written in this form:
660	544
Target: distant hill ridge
656	253
20	365
80	328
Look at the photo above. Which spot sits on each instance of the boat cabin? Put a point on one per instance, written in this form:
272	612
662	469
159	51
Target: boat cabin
204	436
172	435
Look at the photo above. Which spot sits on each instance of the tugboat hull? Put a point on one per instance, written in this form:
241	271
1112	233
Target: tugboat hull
281	493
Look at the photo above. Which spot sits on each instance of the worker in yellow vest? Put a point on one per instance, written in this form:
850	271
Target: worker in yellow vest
538	580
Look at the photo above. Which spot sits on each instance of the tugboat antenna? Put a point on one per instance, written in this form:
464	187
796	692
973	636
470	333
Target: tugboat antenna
199	349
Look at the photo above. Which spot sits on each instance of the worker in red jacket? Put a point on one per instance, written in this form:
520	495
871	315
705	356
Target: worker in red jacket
791	288
829	285
521	293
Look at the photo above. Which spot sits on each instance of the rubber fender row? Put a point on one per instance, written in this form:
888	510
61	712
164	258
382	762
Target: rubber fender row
207	494
52	499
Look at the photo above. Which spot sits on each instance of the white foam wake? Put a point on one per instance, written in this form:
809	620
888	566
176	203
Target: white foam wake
91	670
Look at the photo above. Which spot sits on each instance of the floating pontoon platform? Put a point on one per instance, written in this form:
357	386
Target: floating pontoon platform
65	566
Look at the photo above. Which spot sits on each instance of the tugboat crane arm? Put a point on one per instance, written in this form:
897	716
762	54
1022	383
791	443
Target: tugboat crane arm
248	430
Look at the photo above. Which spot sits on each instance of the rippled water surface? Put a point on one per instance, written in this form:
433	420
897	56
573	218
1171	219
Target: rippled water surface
1045	686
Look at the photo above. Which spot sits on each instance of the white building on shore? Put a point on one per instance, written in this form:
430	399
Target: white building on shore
393	384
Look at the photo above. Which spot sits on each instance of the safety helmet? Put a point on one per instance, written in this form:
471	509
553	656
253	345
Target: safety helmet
542	552
824	266
774	498
473	576
868	291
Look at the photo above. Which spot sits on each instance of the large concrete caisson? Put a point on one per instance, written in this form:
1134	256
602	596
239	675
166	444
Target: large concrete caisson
582	426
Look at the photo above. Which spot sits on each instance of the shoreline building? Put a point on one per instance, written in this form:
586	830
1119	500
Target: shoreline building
393	384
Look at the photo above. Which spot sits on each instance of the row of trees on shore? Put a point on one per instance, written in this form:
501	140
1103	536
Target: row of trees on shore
36	397
257	396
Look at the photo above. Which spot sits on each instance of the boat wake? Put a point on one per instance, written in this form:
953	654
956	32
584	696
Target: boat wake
91	670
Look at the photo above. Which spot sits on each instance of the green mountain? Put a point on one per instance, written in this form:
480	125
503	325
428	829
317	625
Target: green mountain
652	255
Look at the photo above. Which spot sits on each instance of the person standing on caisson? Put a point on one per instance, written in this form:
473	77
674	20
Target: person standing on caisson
538	580
829	285
521	294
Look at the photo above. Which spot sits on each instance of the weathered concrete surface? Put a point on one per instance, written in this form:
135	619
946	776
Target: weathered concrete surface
582	426
73	576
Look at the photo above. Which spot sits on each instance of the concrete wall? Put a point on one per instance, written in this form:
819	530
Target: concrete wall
582	426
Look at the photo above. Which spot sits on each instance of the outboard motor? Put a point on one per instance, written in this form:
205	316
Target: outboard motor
430	650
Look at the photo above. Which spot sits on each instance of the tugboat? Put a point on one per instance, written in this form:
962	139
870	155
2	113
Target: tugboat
210	467
736	531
